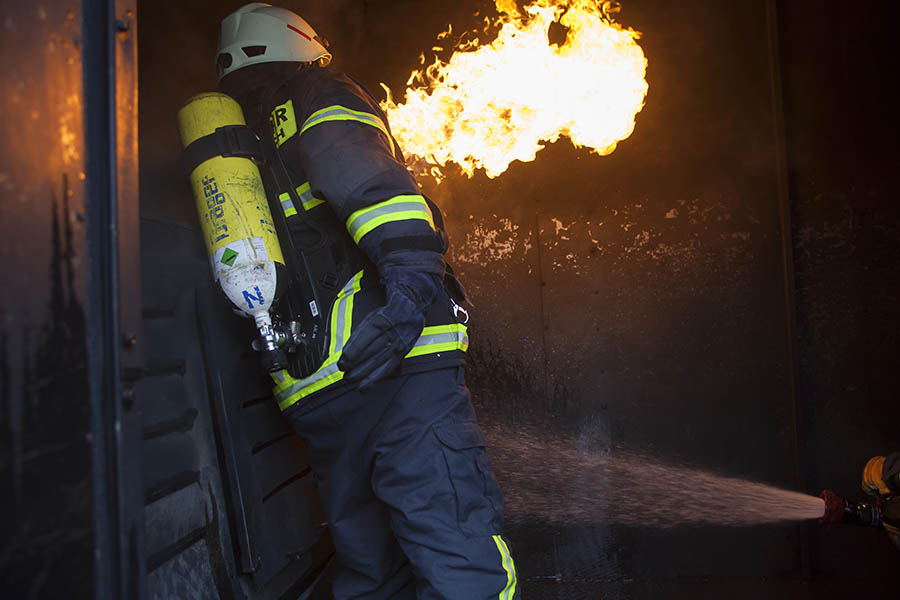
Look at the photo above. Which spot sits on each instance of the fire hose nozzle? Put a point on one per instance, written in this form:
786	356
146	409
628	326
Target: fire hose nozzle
838	510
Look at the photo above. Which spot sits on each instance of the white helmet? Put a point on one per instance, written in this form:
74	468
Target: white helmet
262	33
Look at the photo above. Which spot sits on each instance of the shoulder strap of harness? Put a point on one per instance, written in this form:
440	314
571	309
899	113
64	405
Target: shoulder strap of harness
227	141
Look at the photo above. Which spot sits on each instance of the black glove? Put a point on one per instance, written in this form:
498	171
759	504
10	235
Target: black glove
378	345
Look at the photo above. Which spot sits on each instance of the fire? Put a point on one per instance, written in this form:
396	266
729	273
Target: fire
491	104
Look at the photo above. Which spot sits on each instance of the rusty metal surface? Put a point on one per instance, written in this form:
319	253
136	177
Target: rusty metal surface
70	517
46	547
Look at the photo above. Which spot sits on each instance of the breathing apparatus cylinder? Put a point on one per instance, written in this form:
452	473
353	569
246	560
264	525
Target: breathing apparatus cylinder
231	202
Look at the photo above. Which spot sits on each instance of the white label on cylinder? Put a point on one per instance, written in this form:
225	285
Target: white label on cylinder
251	288
238	254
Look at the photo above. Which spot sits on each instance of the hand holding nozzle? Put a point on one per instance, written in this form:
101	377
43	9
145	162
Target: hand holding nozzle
838	510
881	479
881	476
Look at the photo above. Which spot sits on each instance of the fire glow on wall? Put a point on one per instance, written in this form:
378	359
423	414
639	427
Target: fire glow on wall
493	103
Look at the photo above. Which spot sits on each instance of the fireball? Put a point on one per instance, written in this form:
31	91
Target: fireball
490	104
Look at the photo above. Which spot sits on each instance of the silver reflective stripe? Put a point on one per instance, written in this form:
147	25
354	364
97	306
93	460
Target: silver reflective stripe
306	197
440	338
338	329
287	206
340	113
400	208
329	371
322	376
506	560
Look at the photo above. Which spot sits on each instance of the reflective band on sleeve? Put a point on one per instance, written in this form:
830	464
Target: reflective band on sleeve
509	592
286	205
306	197
399	208
341	113
441	338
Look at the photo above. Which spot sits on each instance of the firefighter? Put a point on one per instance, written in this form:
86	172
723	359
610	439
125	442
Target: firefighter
881	480
400	462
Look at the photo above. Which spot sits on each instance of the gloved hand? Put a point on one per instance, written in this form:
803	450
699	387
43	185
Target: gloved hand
381	341
881	476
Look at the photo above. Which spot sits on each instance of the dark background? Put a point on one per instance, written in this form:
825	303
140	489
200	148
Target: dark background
720	291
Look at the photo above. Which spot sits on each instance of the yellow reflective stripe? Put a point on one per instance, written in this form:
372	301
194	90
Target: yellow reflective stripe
306	197
282	379
348	322
342	113
398	208
441	338
289	391
435	329
324	382
286	205
436	348
434	339
509	566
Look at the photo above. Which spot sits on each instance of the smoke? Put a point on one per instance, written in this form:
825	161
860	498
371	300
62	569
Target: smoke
556	480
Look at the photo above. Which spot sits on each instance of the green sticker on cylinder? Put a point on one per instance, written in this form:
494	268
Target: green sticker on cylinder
229	256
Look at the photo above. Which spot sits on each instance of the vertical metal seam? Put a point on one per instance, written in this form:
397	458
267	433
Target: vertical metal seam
787	256
98	76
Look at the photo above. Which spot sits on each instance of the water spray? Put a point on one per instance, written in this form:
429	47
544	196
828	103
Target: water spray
599	487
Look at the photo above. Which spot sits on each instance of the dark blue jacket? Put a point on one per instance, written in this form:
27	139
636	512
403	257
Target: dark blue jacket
350	178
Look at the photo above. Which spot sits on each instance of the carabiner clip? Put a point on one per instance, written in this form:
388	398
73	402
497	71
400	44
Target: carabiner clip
457	309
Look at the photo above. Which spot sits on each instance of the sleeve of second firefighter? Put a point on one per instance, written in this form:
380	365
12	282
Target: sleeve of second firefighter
351	160
881	475
890	472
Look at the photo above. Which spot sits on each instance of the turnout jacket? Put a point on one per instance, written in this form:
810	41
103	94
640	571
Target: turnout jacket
351	182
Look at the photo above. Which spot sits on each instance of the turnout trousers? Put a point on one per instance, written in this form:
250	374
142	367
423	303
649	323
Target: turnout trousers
413	505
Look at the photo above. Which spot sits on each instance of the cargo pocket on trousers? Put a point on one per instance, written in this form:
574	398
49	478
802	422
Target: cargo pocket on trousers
479	507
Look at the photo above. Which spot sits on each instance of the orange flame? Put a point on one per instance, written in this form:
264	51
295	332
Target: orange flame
491	104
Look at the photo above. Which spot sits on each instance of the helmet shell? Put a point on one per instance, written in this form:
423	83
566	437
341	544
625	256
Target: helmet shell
261	33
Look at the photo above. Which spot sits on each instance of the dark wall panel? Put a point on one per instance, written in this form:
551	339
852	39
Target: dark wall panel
637	299
841	103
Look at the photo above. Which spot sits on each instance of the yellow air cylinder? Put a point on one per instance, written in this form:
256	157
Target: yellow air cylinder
234	214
